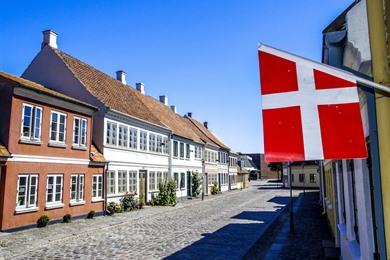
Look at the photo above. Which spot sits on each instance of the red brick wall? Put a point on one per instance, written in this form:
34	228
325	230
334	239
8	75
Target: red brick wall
11	220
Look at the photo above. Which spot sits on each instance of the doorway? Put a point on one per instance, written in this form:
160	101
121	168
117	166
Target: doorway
142	183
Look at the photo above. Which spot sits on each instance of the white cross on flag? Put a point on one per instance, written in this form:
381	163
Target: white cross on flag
310	111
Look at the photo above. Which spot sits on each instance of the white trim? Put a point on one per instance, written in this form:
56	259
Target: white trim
54	206
46	159
26	210
77	203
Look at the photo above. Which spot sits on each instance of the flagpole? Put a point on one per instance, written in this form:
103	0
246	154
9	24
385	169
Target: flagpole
291	201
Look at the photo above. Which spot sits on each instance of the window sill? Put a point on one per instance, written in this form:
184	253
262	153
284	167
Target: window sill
76	203
78	147
57	145
97	199
25	210
29	141
54	206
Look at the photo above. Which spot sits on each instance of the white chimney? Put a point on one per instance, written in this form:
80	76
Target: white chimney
164	100
173	108
206	125
121	76
140	87
49	38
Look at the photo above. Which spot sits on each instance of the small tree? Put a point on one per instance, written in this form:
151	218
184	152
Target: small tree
196	184
276	167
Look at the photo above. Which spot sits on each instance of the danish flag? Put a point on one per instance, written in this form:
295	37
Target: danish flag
310	111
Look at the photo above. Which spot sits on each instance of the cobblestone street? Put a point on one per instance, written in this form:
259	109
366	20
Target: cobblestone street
223	226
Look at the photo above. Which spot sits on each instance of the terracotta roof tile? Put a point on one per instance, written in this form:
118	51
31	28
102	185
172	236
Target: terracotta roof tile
202	135
108	90
95	155
4	151
208	133
38	87
175	122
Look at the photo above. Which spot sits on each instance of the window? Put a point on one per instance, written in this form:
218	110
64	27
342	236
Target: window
301	177
176	177
111	182
165	142
165	176
143	136
152	142
182	180
77	187
188	151
181	150
224	178
312	177
159	178
57	127
54	189
198	152
213	178
79	131
152	181
123	136
111	133
175	149
133	138
122	181
27	191
132	181
159	144
97	187
31	122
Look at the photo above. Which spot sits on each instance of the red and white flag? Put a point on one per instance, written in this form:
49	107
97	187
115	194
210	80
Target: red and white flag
310	111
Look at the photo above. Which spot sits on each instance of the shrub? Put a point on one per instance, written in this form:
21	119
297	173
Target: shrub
215	189
128	202
141	201
91	214
67	218
167	194
113	208
153	200
196	184
43	221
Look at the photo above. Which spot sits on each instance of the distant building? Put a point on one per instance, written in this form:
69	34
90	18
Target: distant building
303	174
265	170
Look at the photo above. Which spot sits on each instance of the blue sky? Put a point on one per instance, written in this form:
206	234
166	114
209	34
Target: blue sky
201	53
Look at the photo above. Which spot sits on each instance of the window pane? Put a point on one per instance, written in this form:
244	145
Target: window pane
61	134
76	131
27	121
83	132
73	187
37	123
33	191
54	122
22	191
81	187
50	188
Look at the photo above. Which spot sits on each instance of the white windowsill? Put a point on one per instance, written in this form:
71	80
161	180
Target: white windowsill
26	210
97	199
29	141
54	206
77	203
57	144
79	147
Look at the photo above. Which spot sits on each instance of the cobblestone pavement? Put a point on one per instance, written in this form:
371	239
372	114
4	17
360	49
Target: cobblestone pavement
305	243
221	227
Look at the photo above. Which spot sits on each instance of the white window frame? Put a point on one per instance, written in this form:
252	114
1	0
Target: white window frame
27	203
80	184
54	176
82	133
112	135
133	138
181	150
152	185
188	151
123	138
122	183
133	181
57	130
31	133
143	140
111	179
97	180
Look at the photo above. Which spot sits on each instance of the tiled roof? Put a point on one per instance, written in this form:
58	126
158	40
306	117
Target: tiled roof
202	135
4	151
208	133
38	87
108	90
175	122
95	155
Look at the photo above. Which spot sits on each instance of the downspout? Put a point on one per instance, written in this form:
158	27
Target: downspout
105	187
170	156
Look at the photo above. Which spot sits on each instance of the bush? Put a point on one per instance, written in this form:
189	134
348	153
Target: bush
91	214
128	202
153	201
67	218
113	208
215	189
167	194
43	221
141	201
196	184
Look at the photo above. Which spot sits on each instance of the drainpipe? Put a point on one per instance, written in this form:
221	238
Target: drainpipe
105	192
170	155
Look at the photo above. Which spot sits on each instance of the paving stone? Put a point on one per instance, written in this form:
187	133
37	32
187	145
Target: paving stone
220	227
